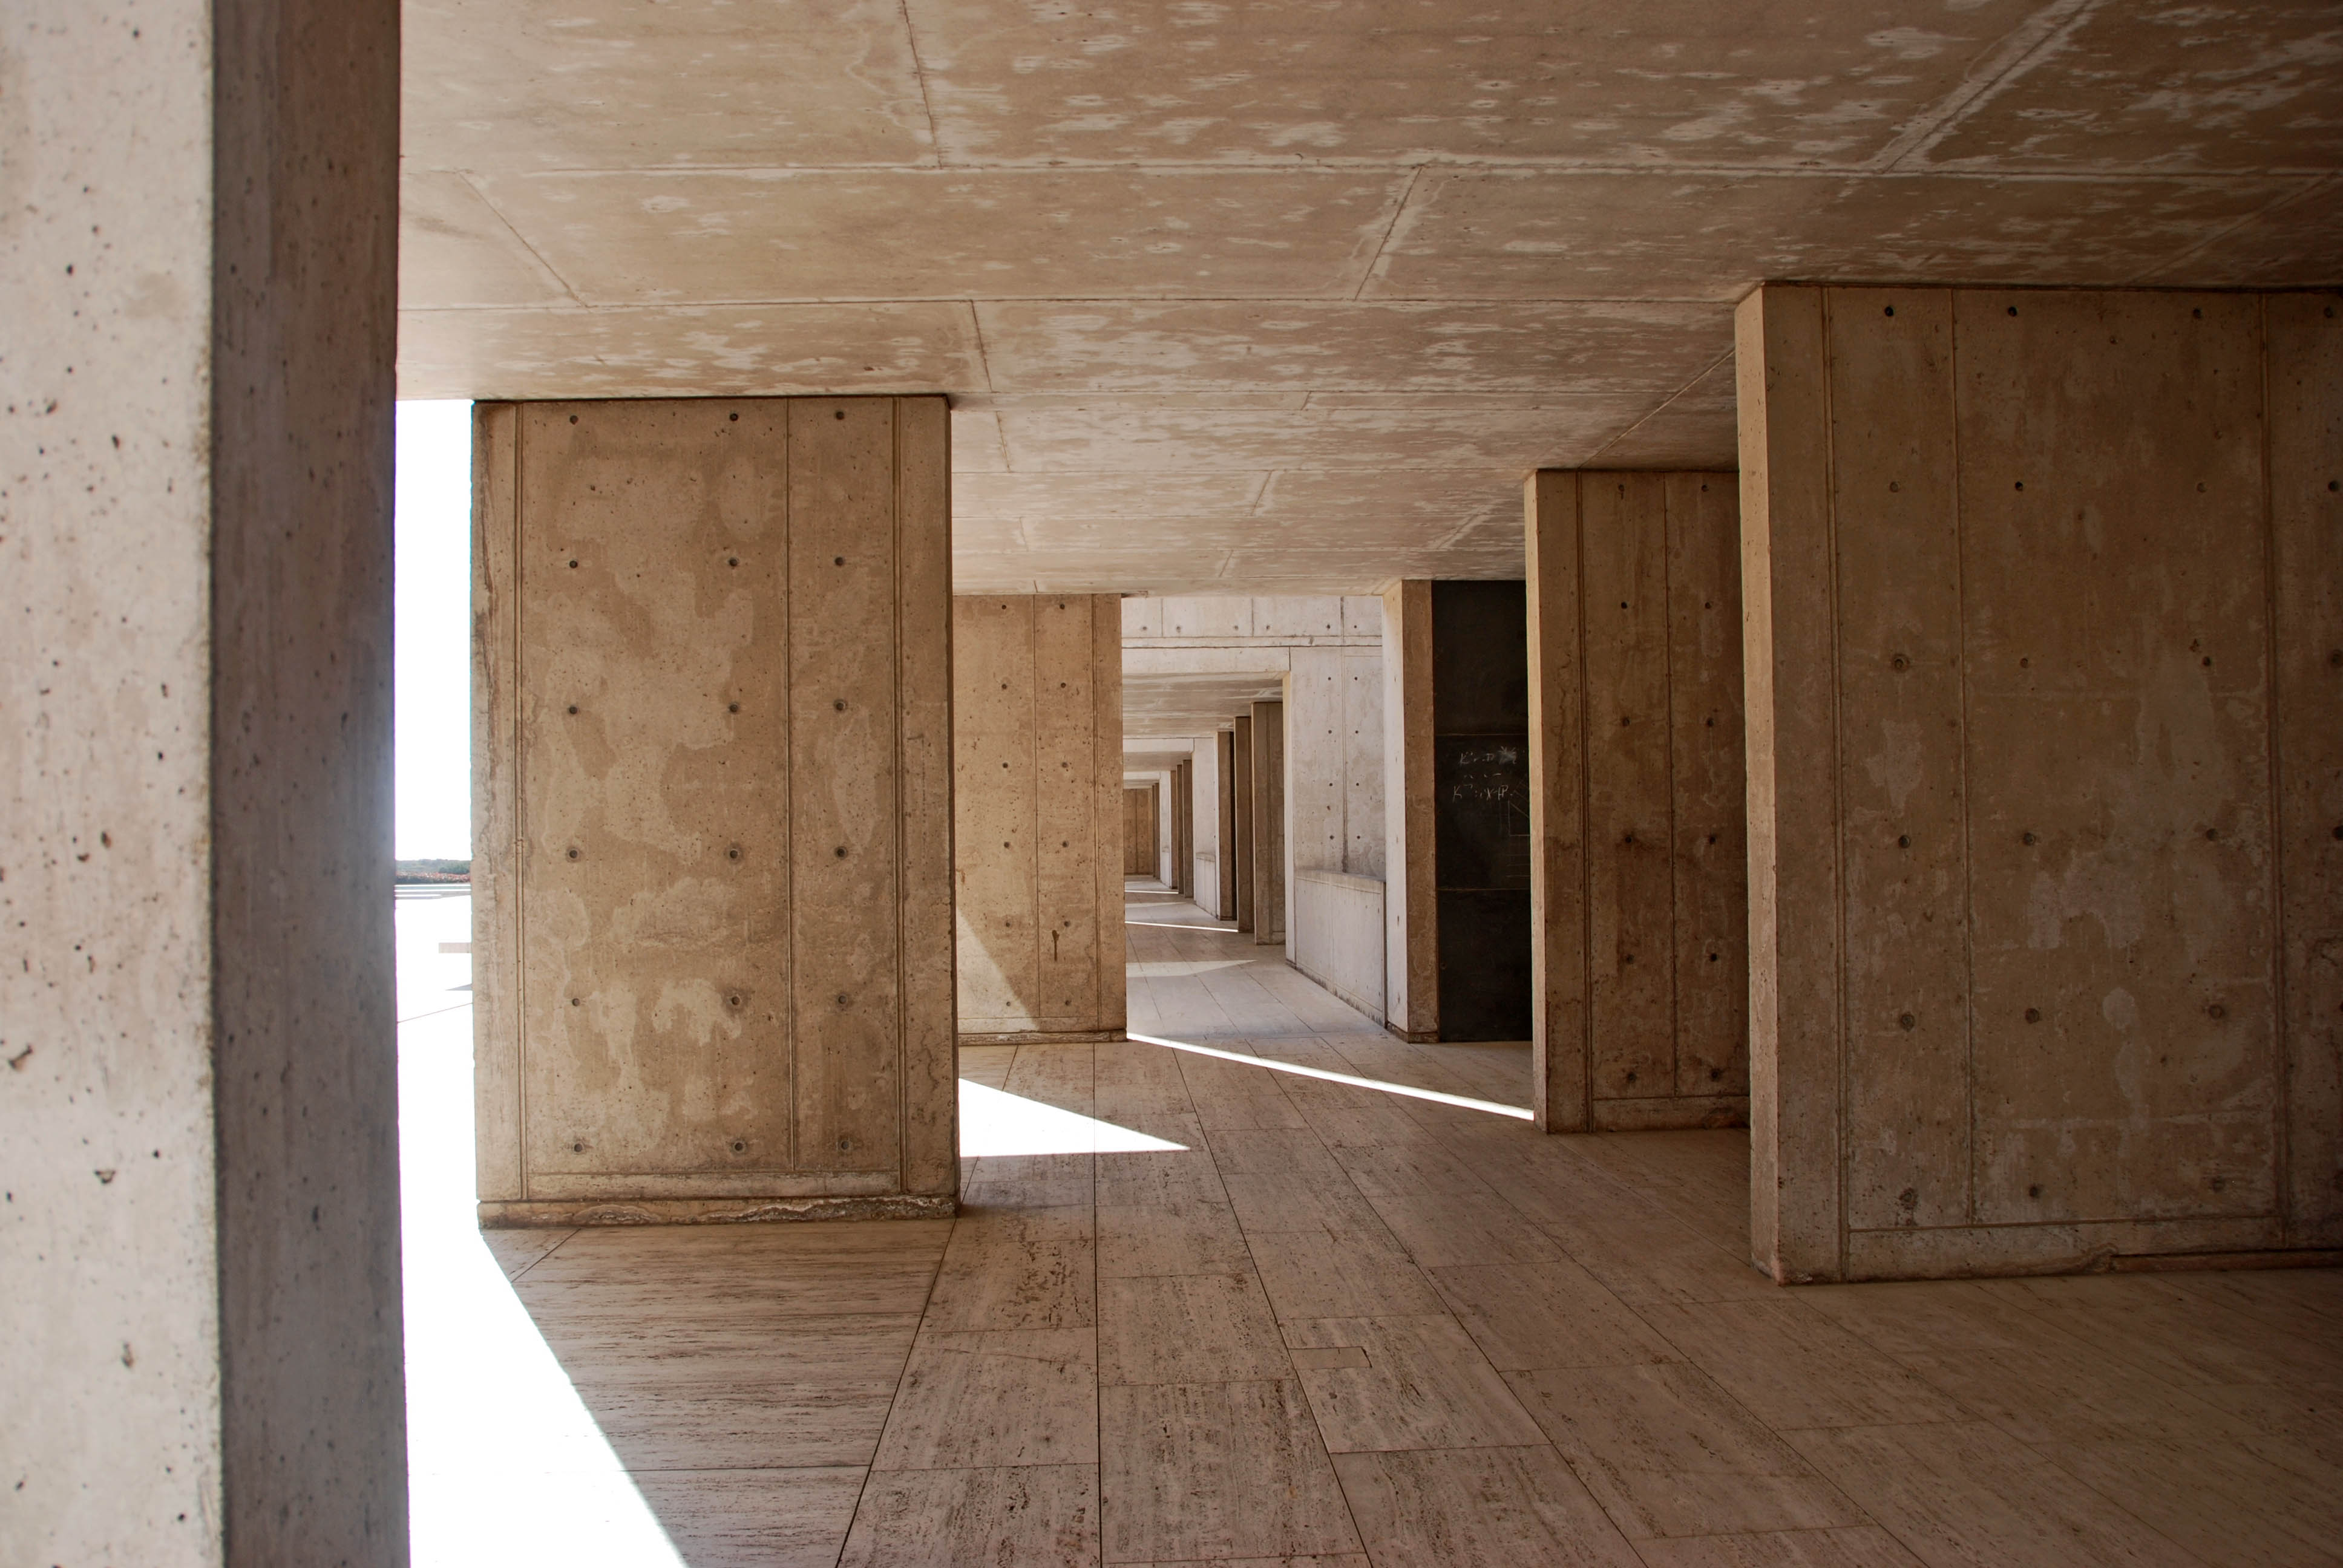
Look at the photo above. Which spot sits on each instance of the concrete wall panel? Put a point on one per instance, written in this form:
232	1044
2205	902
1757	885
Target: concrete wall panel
1065	828
729	892
2119	746
1269	780
1560	1046
1338	934
1209	768
496	802
1411	924
1709	810
1240	770
2305	378
2042	575
1630	794
1361	724
929	1139
1905	839
1225	764
1787	683
997	868
843	651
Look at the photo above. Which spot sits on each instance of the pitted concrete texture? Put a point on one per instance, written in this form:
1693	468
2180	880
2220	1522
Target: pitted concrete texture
2045	774
200	1362
1037	741
1289	295
712	859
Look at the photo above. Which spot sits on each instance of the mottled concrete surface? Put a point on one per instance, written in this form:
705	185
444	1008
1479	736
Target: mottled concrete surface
716	949
2044	785
1289	295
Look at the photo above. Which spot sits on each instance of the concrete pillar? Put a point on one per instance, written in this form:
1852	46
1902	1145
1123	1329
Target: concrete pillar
1179	826
1410	896
1241	773
1205	869
1269	823
2045	764
712	841
1640	891
1167	826
1138	829
1037	740
199	1136
1225	827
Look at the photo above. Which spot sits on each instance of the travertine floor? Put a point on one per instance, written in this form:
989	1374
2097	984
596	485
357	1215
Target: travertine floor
1341	1326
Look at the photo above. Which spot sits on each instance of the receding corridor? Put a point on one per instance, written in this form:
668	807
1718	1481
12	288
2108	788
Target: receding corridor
1342	1325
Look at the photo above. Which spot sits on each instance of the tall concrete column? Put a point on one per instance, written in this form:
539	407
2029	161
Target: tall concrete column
2045	769
1037	738
1269	823
1241	772
1183	827
198	1132
1224	744
1209	844
1411	893
1640	887
713	810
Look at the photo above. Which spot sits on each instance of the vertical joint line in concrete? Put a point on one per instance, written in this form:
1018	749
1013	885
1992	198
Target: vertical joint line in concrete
2282	1101
791	913
1961	764
1668	739
1837	778
1585	814
902	839
517	926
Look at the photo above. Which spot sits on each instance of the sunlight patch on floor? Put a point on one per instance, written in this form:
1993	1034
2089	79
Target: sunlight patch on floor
1519	1112
505	1463
1167	969
993	1122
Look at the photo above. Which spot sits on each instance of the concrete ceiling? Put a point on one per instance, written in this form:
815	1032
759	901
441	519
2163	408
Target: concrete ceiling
1283	295
1197	703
